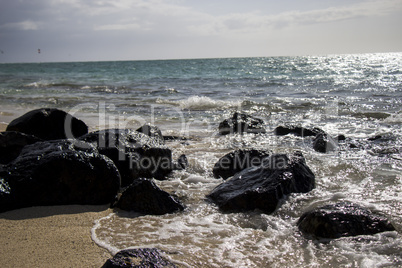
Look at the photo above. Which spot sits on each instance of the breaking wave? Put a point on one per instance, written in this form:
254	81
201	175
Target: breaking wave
201	103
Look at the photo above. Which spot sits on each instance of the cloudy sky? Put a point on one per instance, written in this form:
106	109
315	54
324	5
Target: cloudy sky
91	30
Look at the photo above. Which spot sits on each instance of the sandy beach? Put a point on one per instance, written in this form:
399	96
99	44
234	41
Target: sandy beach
55	236
3	127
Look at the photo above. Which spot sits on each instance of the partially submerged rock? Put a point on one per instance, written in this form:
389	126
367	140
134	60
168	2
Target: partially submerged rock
238	160
145	197
297	130
241	123
135	154
342	219
11	144
152	131
262	187
324	143
57	173
49	124
139	257
182	162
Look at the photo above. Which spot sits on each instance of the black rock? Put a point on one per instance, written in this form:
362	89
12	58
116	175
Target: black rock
182	162
138	258
387	137
341	137
152	131
296	130
174	138
324	143
342	219
57	173
238	160
49	124
241	123
11	144
145	197
135	154
262	187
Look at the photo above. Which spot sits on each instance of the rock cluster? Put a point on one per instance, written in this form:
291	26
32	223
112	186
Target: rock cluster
47	157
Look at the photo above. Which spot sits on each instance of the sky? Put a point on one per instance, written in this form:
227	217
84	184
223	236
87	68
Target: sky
98	30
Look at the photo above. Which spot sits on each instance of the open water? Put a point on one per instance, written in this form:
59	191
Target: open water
359	96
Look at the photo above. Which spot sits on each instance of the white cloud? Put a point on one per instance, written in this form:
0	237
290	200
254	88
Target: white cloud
258	22
113	27
25	25
171	16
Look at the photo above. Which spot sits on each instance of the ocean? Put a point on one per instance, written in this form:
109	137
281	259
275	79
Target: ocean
359	96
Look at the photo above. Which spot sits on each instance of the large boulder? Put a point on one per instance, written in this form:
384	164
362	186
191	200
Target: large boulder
49	124
238	160
342	219
135	154
297	131
262	187
145	197
241	123
57	173
11	144
140	258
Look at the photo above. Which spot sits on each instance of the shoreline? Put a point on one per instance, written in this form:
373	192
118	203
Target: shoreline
54	236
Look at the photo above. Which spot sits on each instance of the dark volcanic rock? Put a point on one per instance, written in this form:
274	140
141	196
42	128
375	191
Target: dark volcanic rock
139	258
296	130
182	162
135	154
342	219
57	173
238	160
11	144
152	131
174	138
145	197
241	123
324	143
262	187
49	124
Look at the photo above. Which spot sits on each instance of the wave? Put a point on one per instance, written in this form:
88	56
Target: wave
394	118
372	115
201	103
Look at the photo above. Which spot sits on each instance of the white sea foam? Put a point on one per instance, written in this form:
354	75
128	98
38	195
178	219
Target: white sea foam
394	118
201	103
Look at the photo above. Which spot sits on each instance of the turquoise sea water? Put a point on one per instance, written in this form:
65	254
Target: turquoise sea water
359	96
